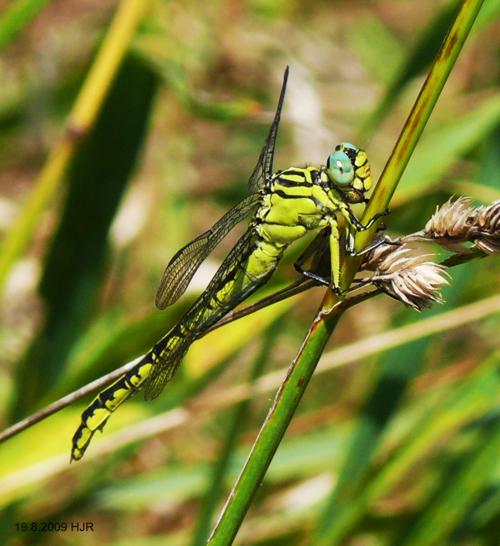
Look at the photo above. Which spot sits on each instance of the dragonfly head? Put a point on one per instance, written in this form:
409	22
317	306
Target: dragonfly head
348	168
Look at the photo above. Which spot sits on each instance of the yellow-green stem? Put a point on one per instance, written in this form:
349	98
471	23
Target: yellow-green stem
80	120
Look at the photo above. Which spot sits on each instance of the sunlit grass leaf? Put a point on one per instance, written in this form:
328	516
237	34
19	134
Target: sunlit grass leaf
489	12
489	164
414	62
110	342
300	457
417	59
442	146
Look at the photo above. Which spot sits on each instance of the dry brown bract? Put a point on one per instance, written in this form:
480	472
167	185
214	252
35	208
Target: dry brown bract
405	276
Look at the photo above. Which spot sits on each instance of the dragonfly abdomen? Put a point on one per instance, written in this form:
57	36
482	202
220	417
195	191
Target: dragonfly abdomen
106	402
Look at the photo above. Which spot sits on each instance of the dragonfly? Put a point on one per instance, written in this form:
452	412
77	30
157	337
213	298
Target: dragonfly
281	208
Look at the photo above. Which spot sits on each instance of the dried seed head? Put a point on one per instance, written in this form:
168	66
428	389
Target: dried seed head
458	222
486	234
488	217
405	276
452	220
383	256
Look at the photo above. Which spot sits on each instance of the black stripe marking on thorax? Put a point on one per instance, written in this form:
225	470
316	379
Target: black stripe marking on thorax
285	195
293	184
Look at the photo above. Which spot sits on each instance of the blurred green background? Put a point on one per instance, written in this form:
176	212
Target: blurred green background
397	440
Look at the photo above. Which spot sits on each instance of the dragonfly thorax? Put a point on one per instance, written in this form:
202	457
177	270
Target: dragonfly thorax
297	200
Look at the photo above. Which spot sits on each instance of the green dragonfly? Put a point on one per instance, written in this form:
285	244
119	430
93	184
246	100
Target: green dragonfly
282	208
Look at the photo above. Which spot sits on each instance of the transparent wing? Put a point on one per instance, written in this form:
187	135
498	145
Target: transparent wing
187	260
264	167
195	322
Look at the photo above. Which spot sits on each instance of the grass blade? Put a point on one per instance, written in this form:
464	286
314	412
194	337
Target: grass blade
457	492
463	405
419	57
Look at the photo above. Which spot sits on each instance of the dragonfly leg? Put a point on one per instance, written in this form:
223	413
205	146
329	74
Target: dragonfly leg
313	276
351	218
353	222
384	240
375	218
349	241
335	256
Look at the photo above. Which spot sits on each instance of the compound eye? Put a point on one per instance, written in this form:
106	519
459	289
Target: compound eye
340	168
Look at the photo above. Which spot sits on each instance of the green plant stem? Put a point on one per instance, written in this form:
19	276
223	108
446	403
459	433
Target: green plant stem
271	433
233	431
303	366
80	120
279	416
